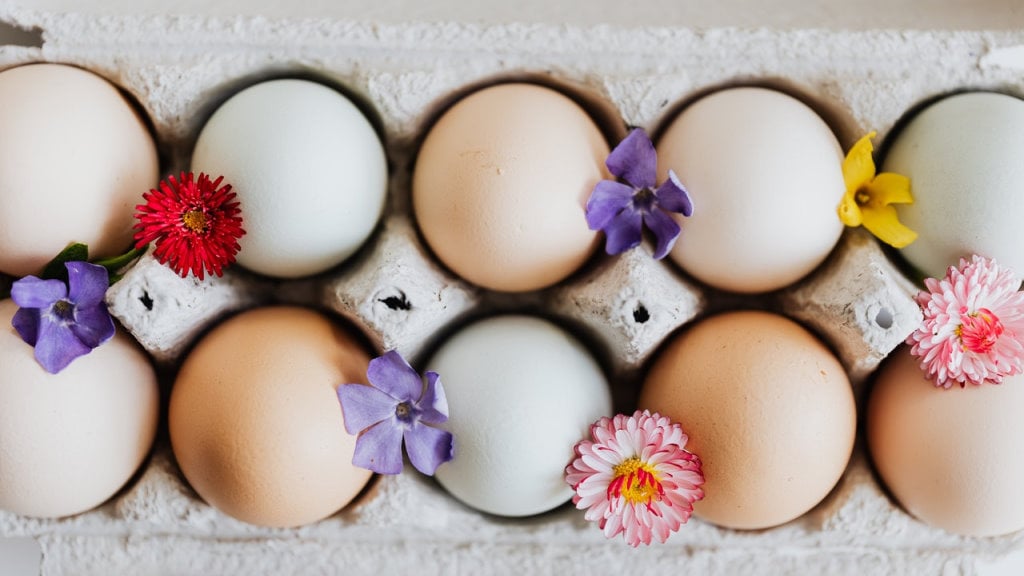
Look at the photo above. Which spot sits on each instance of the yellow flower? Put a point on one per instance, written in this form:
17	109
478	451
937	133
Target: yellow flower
869	198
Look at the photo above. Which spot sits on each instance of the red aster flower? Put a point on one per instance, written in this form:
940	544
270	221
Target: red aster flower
195	224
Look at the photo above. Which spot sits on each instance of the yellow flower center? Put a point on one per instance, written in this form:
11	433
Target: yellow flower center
863	197
635	481
195	221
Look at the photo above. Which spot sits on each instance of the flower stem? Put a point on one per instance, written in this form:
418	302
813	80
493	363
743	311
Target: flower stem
115	263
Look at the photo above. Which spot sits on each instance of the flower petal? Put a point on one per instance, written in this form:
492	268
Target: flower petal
849	212
433	406
888	188
379	448
56	346
623	232
665	231
673	196
88	283
392	375
428	447
859	166
884	223
363	406
608	199
26	322
93	325
634	160
32	292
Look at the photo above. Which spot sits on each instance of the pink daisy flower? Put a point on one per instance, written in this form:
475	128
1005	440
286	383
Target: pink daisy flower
973	330
635	478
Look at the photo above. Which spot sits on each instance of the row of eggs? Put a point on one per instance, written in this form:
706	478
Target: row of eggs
501	179
494	163
257	431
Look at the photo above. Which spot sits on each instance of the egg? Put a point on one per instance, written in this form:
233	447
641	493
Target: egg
309	171
521	393
69	441
501	184
950	457
255	423
768	409
962	155
75	159
765	175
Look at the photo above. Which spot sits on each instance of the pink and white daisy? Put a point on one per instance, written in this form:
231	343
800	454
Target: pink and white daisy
636	478
973	330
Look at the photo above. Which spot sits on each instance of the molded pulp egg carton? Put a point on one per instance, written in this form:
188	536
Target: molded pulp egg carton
180	68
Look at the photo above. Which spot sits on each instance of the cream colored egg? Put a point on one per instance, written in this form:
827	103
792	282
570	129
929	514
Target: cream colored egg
963	157
501	185
768	409
950	457
521	393
69	441
255	422
765	175
309	170
75	159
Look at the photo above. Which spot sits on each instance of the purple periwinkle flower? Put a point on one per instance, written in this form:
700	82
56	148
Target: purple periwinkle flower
62	321
622	210
396	406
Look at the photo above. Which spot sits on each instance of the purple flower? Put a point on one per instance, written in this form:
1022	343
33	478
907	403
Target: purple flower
63	322
396	407
621	210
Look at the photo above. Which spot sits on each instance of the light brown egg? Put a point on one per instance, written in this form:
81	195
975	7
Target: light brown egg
75	159
951	457
255	423
501	185
768	409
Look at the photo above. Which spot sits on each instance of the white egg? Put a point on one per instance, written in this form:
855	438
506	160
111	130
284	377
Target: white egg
521	393
69	441
75	159
765	174
309	171
963	157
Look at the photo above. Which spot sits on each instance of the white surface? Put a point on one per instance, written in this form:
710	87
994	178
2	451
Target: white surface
835	14
20	557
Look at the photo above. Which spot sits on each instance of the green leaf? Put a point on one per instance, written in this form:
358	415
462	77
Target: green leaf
55	270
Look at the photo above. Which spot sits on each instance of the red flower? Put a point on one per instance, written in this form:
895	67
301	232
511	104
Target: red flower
195	224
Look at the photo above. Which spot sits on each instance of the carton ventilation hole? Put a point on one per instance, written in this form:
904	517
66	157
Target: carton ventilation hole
11	35
640	314
399	302
884	318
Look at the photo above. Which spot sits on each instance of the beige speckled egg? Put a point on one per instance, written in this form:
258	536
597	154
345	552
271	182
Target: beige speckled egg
255	423
69	441
765	175
768	409
501	185
75	159
950	457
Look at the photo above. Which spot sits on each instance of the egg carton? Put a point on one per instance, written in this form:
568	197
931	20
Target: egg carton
179	69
